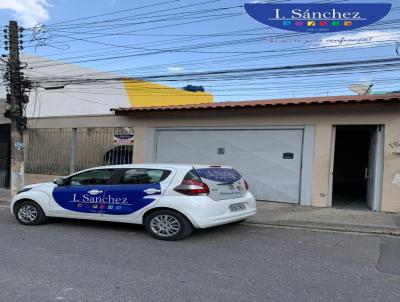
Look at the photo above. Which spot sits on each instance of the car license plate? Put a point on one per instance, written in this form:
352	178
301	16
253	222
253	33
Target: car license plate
237	207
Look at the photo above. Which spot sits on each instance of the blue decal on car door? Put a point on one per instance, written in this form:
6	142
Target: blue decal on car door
130	198
84	199
107	199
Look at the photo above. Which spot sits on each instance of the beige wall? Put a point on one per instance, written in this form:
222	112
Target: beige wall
322	117
322	158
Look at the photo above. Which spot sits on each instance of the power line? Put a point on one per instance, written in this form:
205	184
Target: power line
354	66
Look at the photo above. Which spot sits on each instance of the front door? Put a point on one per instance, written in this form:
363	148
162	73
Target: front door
83	194
375	166
134	190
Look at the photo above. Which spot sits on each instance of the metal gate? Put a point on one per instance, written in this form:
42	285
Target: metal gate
64	151
269	159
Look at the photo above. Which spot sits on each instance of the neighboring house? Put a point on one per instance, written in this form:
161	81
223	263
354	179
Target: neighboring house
95	98
55	144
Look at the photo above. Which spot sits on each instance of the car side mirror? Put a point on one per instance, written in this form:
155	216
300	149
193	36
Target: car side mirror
59	181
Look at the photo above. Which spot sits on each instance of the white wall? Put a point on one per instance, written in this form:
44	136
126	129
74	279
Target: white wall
75	100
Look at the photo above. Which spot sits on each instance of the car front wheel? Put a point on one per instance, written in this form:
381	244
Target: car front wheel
29	213
168	225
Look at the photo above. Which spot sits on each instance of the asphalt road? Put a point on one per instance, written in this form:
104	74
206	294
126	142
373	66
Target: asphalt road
69	260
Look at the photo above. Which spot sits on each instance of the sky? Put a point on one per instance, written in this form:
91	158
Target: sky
199	36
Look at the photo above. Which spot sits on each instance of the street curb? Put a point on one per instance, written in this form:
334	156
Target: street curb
331	228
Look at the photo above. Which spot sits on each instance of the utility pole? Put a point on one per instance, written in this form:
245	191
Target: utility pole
16	98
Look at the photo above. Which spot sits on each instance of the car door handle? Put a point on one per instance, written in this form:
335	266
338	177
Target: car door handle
95	192
151	191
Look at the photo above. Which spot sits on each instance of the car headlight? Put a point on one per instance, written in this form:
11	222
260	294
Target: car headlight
24	190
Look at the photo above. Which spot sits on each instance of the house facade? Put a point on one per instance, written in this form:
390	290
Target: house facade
330	151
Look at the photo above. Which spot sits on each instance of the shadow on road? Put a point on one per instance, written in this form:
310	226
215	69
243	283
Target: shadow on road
129	228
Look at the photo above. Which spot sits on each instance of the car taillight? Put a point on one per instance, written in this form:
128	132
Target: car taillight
192	188
246	185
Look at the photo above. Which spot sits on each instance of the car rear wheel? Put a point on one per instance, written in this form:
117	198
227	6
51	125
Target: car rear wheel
168	225
29	213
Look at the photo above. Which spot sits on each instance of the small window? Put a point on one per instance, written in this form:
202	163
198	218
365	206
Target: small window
144	176
92	177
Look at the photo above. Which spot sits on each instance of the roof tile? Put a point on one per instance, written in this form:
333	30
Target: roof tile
269	103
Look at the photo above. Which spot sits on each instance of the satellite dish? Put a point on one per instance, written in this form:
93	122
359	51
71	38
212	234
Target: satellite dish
361	88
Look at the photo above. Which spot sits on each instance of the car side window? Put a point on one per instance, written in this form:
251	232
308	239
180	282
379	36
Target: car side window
92	177
144	176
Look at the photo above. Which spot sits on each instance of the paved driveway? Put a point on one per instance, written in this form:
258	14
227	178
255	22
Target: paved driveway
91	261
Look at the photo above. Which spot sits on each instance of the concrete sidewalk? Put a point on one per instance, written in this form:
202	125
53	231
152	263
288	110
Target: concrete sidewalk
344	220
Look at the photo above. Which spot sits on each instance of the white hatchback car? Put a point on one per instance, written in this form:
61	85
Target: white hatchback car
170	200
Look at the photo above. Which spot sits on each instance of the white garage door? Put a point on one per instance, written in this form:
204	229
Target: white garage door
270	160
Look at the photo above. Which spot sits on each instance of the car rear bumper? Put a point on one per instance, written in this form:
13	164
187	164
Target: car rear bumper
214	213
225	219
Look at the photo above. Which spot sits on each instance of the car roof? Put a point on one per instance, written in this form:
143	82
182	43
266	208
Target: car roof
152	165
